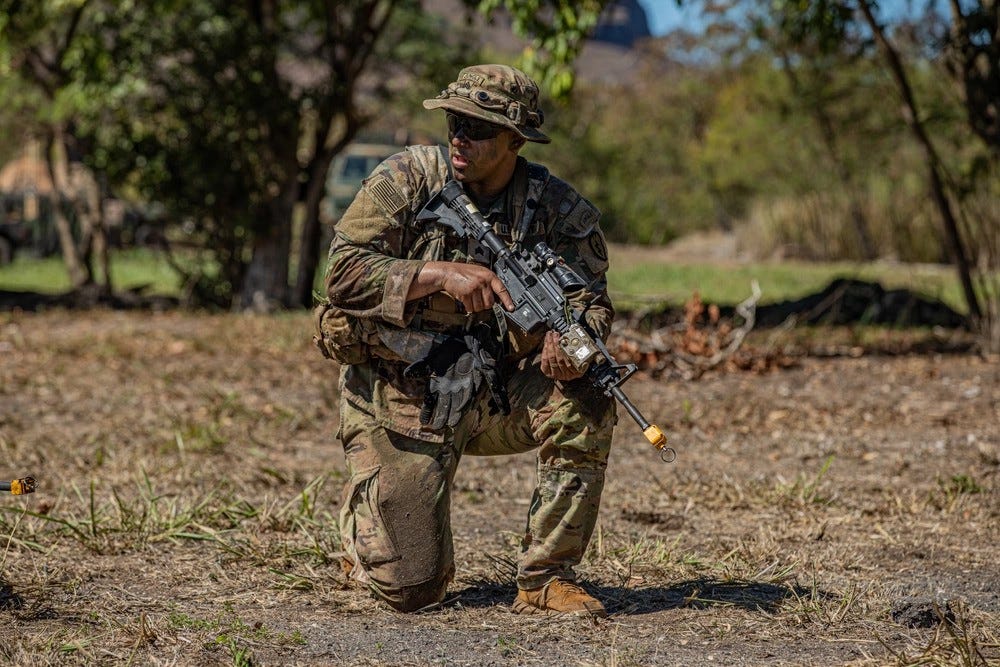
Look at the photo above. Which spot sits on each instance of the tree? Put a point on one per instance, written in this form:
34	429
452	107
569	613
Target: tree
973	49
229	114
975	63
39	43
973	46
912	116
813	42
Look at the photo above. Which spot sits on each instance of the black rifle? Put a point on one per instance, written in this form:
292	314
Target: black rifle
538	282
19	487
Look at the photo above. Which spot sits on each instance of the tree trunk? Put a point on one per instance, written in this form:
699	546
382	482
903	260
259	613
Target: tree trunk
912	117
265	283
309	250
100	255
312	226
57	163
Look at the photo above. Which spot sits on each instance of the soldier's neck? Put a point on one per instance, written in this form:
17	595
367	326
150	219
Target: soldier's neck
483	192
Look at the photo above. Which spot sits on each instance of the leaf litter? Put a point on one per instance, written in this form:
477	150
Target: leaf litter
829	511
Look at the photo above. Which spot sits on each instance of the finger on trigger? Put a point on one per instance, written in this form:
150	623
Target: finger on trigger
501	290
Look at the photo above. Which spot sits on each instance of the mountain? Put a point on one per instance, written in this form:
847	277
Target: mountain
610	56
622	23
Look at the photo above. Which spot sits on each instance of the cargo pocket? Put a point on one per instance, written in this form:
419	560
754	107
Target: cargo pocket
372	538
339	336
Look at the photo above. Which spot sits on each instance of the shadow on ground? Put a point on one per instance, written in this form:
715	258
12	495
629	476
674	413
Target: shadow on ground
87	297
693	594
8	598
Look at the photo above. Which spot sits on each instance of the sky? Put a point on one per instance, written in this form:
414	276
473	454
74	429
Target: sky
665	15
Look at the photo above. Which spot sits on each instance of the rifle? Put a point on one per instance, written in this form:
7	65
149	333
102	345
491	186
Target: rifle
19	487
538	282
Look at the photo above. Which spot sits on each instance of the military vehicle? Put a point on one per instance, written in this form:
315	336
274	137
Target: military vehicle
346	173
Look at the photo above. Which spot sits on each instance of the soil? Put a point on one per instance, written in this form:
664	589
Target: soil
842	510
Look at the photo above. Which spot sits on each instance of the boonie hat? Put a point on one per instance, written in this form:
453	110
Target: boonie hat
498	94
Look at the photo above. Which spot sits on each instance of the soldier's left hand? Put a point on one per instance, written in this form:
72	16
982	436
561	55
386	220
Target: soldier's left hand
555	363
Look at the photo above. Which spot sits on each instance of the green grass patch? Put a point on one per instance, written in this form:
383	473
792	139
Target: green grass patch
632	282
648	282
130	268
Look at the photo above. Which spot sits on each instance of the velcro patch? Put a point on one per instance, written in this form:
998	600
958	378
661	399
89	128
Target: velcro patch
385	191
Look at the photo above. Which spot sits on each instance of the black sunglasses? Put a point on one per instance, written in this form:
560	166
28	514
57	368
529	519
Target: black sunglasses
472	128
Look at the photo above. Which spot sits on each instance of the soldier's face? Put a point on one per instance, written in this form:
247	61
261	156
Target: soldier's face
479	160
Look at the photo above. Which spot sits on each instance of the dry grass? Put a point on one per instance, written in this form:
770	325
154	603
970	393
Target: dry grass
841	512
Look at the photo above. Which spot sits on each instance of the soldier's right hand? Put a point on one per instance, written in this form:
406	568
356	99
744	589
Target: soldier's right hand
475	286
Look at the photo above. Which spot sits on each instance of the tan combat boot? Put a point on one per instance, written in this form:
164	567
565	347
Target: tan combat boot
558	597
354	575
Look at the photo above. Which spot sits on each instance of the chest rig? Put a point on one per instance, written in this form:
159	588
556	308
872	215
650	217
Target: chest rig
518	216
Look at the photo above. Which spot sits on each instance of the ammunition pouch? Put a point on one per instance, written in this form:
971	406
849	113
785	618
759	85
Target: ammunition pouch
340	336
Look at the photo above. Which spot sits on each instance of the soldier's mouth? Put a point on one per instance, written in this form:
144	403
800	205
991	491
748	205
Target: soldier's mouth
459	161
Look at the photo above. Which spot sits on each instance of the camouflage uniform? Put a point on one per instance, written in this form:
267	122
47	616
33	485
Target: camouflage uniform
395	517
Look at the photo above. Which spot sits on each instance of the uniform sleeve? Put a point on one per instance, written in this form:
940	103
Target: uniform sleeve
578	239
366	275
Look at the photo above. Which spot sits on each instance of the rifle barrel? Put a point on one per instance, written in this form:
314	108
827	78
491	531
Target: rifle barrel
652	432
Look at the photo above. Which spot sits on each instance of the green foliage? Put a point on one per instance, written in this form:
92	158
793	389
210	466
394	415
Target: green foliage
788	143
783	132
228	115
556	30
639	174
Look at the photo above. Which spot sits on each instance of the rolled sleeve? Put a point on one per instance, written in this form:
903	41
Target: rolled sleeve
400	276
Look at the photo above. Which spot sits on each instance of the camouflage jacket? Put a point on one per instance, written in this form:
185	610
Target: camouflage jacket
379	248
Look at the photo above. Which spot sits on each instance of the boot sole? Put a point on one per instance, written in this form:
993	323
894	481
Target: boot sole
523	608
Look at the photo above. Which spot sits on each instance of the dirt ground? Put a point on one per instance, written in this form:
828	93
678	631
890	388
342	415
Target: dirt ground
845	510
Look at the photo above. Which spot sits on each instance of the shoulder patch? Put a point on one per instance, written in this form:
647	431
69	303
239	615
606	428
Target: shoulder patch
385	191
580	220
597	245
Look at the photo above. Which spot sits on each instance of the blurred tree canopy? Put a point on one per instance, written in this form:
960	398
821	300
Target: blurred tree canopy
228	115
819	130
804	128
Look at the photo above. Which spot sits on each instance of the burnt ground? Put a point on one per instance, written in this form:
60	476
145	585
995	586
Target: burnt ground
845	510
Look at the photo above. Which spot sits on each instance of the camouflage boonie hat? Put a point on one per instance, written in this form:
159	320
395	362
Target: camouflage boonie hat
499	94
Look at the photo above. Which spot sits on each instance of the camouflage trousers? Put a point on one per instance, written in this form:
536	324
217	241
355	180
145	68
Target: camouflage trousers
395	519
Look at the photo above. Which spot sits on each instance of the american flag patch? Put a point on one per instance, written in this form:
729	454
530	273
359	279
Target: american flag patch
386	193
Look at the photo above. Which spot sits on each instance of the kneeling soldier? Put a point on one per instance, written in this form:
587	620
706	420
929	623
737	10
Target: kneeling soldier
431	372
